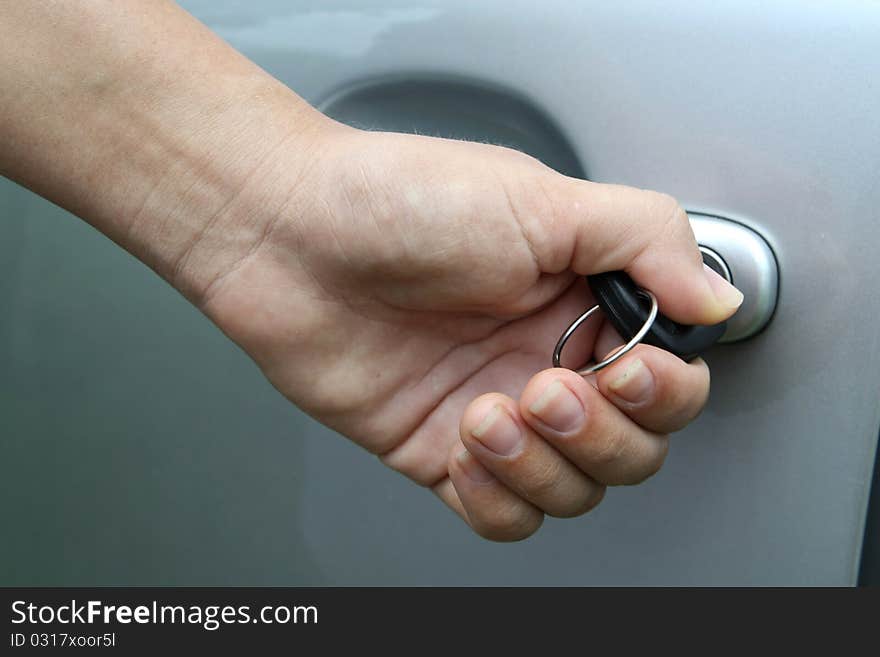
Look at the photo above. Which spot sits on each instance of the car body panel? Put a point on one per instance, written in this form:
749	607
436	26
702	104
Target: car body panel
142	447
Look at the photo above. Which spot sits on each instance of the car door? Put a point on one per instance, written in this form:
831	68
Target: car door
141	447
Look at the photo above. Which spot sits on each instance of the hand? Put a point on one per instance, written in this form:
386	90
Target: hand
405	291
409	294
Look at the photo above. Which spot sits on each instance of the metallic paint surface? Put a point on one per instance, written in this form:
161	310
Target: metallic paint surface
141	447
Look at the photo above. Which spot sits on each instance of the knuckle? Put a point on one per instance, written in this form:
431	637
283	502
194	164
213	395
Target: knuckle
704	386
670	398
600	441
649	465
508	523
671	218
580	505
695	405
667	207
452	463
514	155
542	480
681	404
534	211
607	448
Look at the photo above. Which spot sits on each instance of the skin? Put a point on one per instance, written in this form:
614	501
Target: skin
404	290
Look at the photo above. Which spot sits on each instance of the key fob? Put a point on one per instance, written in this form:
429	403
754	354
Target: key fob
627	310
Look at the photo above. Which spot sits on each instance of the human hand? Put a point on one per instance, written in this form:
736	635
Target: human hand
406	291
409	291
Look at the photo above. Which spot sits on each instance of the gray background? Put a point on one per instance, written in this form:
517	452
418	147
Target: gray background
138	446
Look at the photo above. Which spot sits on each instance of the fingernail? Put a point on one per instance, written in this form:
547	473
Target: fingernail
635	385
558	408
498	432
473	468
726	294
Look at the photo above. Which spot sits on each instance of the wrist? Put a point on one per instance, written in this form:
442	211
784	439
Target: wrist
158	134
215	194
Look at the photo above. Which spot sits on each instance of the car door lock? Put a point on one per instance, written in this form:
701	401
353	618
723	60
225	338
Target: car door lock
734	251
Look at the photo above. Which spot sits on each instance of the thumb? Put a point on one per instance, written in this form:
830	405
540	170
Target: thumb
598	227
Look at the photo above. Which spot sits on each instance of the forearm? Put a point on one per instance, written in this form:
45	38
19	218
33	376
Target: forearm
138	119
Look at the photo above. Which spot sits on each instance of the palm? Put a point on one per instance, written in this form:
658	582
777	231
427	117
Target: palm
419	401
395	381
502	360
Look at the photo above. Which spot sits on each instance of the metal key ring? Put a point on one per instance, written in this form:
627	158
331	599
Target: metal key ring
619	353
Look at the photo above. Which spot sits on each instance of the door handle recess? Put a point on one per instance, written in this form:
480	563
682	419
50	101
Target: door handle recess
743	257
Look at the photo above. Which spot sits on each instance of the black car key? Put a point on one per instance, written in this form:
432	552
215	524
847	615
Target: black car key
626	308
